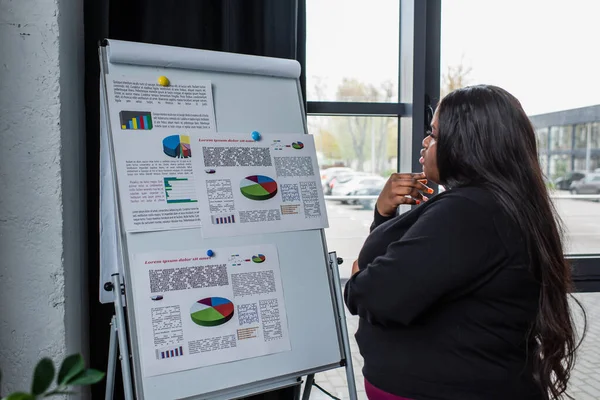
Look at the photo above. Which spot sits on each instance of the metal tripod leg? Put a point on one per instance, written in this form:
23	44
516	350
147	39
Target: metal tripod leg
112	361
308	386
122	336
340	303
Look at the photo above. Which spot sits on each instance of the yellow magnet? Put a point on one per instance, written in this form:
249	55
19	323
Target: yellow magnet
163	81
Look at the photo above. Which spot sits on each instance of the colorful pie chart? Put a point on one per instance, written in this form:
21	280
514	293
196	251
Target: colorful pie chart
298	145
177	146
212	311
258	187
259	258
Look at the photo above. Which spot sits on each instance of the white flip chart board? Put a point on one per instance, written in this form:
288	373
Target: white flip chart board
250	94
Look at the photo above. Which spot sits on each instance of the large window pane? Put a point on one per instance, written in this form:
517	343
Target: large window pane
581	134
561	138
559	165
542	139
356	156
352	50
581	219
587	150
595	139
534	60
543	158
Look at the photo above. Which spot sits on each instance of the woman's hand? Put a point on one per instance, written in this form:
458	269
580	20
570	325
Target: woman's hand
355	268
402	189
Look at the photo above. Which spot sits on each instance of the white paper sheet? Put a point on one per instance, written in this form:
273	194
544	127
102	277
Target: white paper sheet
194	311
150	127
250	187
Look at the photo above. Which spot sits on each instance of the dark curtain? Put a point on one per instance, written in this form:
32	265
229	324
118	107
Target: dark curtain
258	27
273	28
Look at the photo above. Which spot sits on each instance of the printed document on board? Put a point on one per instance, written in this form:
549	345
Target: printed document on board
194	311
250	187
151	126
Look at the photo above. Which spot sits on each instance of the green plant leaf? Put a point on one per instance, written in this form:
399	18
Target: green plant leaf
19	396
87	377
59	393
70	367
42	376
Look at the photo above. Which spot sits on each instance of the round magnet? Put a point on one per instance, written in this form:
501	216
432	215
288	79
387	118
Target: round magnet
256	135
163	81
210	253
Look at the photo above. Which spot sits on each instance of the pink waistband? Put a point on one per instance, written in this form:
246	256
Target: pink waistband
374	393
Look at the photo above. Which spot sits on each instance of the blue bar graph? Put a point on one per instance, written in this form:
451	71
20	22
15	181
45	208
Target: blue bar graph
226	219
169	353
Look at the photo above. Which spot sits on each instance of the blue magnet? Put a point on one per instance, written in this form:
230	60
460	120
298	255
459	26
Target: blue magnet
256	135
210	253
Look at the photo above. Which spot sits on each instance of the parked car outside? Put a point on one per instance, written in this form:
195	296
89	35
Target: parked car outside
356	182
327	175
564	182
590	184
369	204
343	178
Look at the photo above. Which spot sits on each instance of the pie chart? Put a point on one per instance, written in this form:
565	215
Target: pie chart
259	258
258	187
298	145
211	311
177	146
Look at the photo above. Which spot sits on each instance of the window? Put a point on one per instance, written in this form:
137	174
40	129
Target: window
561	138
581	135
542	140
352	50
544	88
352	75
364	144
543	159
595	135
558	166
352	85
362	153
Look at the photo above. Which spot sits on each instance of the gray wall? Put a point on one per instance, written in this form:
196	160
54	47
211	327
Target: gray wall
42	202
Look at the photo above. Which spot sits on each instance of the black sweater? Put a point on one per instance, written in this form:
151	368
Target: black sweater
446	299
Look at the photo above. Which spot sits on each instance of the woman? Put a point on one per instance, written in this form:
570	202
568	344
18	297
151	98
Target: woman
465	297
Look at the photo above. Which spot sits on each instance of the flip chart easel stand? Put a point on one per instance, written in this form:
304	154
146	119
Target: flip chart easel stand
247	91
118	340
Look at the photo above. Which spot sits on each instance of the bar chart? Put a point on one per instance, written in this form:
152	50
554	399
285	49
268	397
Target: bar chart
135	120
180	190
169	353
223	219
